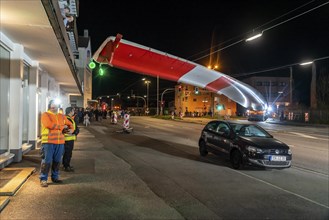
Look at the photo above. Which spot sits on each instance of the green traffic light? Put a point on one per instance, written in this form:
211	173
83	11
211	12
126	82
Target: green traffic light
101	72
92	65
219	107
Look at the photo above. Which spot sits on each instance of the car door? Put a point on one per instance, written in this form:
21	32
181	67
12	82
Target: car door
209	133
222	139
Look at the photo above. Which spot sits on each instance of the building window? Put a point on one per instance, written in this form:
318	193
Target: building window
194	100
282	84
4	99
259	83
266	83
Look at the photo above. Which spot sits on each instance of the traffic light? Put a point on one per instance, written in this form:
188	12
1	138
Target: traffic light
101	71
196	90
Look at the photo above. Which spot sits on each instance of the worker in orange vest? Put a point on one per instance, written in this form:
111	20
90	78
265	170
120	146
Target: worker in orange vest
54	126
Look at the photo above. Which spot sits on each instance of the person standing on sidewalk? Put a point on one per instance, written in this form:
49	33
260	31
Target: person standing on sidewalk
69	141
52	139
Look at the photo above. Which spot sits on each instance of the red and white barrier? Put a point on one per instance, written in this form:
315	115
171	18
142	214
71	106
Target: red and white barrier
126	121
114	118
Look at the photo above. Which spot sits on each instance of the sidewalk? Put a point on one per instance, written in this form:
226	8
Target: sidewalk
102	187
294	123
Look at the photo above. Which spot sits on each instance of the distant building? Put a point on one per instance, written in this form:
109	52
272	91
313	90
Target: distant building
276	90
195	101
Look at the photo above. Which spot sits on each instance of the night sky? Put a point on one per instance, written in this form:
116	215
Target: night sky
185	29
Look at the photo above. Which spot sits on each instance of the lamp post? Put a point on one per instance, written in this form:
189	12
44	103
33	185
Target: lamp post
313	100
112	100
170	89
290	86
147	82
158	95
139	97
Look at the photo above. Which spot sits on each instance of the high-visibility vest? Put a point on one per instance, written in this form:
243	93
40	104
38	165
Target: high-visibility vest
71	137
52	127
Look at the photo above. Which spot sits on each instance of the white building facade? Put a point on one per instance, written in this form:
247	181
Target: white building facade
37	65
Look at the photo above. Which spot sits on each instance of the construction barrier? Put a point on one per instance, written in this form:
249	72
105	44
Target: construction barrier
306	117
114	119
126	121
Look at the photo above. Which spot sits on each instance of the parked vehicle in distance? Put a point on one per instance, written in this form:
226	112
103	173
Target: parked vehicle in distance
244	144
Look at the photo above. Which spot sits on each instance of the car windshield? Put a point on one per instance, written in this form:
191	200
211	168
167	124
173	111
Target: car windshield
249	131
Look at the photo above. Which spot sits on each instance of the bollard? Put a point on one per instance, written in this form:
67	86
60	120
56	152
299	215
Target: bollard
126	121
114	118
306	117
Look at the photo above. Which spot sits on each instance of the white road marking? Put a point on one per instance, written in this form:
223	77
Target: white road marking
287	191
303	135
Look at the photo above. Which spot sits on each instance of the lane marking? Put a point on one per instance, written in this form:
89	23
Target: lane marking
287	191
303	135
309	170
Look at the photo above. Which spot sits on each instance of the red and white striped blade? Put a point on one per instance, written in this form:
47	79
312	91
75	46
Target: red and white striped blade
136	58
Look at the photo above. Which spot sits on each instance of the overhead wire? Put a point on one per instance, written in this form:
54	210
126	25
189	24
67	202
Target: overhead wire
275	68
223	48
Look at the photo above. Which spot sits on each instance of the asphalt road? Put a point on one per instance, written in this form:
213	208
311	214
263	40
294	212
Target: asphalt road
164	154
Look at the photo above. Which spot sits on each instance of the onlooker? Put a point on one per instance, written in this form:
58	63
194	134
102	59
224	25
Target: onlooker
69	141
86	121
52	148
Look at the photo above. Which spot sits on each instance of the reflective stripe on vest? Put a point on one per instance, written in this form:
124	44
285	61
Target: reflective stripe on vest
70	137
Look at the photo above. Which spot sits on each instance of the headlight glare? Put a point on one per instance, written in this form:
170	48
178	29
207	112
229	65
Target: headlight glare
254	149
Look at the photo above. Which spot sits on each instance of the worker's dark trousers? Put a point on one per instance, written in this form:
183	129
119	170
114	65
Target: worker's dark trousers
68	148
51	156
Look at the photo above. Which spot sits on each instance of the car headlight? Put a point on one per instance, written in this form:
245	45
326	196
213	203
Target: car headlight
289	151
254	149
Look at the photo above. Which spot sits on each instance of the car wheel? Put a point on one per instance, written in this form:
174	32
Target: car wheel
236	159
203	149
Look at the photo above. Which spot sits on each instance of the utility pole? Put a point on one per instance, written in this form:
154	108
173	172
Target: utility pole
157	94
169	89
290	86
313	87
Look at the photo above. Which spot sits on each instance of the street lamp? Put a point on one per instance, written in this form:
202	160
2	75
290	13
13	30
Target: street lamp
313	100
170	89
139	97
254	37
112	100
147	82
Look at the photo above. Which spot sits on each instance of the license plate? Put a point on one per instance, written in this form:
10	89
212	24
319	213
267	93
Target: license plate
277	158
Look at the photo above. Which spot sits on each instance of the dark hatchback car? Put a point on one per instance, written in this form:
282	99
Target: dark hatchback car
244	144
